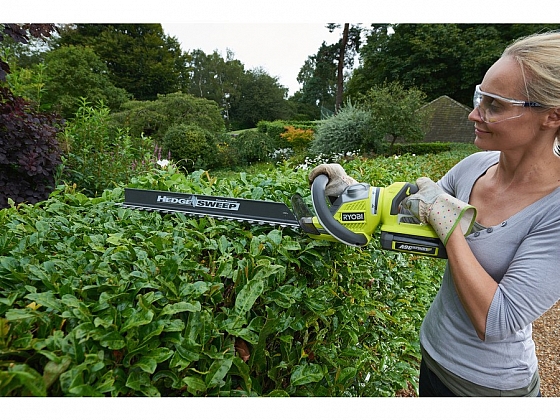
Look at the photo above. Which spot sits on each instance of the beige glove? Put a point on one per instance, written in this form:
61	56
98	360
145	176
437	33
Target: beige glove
431	205
338	179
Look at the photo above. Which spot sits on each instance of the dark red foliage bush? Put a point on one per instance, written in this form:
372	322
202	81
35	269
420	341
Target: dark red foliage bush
29	150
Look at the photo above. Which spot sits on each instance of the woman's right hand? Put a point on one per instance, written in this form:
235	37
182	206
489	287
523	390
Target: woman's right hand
338	179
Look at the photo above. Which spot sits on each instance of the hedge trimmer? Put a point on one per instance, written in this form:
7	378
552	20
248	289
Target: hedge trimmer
351	219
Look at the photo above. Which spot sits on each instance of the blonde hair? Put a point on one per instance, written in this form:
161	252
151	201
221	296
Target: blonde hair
539	58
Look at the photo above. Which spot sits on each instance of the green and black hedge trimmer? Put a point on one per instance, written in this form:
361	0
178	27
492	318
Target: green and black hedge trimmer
351	219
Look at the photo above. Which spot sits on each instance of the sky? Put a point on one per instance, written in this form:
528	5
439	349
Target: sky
279	48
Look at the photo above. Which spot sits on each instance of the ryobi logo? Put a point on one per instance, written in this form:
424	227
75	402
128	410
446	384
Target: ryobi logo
353	217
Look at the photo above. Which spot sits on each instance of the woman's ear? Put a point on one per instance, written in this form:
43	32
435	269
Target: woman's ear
553	118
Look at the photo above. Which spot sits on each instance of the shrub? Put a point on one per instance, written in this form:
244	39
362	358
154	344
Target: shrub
250	146
275	129
107	301
29	151
298	138
99	156
154	118
349	130
397	112
191	146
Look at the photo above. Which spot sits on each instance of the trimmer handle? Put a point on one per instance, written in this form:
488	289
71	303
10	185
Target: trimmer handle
325	216
406	190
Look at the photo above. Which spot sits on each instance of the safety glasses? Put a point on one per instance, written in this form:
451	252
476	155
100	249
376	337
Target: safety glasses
495	108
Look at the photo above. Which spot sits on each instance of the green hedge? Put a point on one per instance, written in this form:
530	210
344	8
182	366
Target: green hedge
98	300
420	148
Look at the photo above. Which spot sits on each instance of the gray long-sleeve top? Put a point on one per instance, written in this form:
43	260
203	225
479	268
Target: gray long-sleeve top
522	254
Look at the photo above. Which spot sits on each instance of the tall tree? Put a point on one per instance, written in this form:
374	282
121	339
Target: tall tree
322	75
340	67
216	78
141	59
348	47
318	77
262	99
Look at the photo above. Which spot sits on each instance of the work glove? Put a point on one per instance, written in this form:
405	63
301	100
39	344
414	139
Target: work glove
338	179
431	205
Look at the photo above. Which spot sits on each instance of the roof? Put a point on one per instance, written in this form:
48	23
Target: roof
449	121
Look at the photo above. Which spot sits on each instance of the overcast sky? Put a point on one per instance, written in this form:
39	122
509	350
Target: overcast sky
279	48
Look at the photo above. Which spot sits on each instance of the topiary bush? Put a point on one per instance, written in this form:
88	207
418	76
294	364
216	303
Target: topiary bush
349	130
191	146
29	151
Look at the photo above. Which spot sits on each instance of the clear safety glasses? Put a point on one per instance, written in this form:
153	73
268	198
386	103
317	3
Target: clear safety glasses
495	108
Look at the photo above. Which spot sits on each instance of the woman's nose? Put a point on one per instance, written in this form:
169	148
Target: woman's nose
475	115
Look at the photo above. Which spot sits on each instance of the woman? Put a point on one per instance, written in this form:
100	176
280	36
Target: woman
476	338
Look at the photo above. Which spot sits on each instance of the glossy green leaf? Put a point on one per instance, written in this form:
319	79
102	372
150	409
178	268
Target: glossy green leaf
248	295
139	317
195	385
217	372
113	341
305	374
176	308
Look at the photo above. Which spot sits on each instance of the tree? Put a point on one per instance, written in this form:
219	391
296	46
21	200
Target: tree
262	99
349	46
22	34
322	75
396	111
340	68
74	72
302	111
140	58
438	59
215	78
318	78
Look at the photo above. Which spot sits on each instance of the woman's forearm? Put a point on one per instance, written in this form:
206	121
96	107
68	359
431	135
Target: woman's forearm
475	287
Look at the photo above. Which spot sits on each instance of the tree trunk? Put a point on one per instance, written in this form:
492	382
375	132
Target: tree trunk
340	70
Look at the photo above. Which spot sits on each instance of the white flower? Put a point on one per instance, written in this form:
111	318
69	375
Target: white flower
163	163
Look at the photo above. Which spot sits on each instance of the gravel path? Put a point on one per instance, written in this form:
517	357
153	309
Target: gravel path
545	335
